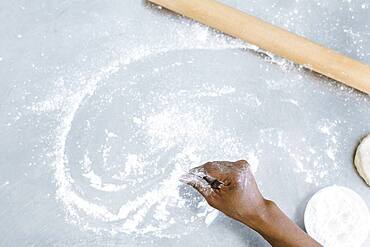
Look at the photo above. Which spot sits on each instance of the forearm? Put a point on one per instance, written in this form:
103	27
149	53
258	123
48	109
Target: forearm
278	229
240	199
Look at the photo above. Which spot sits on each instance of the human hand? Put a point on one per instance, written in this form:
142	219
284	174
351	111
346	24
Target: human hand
229	187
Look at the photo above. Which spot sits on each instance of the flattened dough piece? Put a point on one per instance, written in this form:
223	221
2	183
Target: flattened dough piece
362	159
337	217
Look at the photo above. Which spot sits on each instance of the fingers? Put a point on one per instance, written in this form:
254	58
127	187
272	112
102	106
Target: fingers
214	169
199	171
242	164
198	183
224	170
212	176
214	183
202	172
219	168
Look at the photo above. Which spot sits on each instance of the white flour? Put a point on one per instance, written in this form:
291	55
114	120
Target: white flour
109	188
4	184
337	216
163	130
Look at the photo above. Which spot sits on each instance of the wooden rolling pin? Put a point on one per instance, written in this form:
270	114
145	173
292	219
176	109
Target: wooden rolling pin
274	39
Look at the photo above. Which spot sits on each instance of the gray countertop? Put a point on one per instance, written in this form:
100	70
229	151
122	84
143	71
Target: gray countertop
103	104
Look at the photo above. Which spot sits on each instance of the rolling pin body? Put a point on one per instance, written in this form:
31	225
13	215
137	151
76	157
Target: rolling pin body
274	39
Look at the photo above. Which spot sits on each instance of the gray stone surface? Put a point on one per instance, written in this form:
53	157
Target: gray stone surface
301	128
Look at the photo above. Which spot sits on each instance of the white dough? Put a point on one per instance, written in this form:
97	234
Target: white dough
337	217
362	159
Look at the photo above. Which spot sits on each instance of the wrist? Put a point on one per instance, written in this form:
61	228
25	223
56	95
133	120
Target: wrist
278	229
262	217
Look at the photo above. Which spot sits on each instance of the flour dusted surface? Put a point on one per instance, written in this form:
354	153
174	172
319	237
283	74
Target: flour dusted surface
69	47
124	137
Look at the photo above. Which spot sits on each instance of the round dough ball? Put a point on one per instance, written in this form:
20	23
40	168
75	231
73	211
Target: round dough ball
337	216
362	159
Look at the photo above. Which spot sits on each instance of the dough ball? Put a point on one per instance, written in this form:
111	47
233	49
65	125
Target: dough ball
362	159
337	216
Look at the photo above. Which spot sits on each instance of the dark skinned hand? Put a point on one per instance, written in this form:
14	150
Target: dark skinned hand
231	188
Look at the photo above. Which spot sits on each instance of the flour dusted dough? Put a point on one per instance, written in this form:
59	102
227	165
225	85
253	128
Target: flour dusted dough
337	217
362	159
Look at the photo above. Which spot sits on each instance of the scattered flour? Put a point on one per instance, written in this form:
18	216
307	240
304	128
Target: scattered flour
308	160
5	184
107	188
92	195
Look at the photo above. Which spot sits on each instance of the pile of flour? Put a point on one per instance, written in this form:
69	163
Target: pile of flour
337	216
